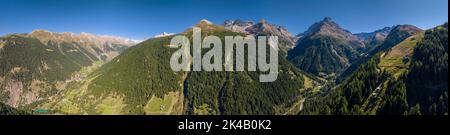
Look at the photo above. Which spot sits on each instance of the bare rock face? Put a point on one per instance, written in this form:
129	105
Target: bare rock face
328	28
378	33
238	25
164	34
14	89
18	94
87	38
262	28
374	39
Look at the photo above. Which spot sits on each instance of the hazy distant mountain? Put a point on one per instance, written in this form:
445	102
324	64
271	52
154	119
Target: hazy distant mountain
328	28
164	34
262	28
326	48
238	25
374	39
298	36
381	32
102	47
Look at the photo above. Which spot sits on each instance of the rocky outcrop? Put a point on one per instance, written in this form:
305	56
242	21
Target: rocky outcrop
262	28
238	25
374	39
44	36
14	89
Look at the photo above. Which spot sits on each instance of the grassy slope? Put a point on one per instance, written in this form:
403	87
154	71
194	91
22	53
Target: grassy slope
397	60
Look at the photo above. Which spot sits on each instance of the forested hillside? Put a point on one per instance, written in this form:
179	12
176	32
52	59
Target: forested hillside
396	35
30	70
427	81
7	110
392	71
140	81
36	66
409	78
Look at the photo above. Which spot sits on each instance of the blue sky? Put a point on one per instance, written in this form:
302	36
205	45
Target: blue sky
140	19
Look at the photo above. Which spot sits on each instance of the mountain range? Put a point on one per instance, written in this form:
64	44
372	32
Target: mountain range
403	77
324	70
140	81
41	63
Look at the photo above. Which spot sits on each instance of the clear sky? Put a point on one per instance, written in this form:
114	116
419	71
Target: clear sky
140	19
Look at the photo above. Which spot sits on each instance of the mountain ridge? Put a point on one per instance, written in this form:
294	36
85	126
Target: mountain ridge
37	65
262	28
139	88
388	82
325	48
